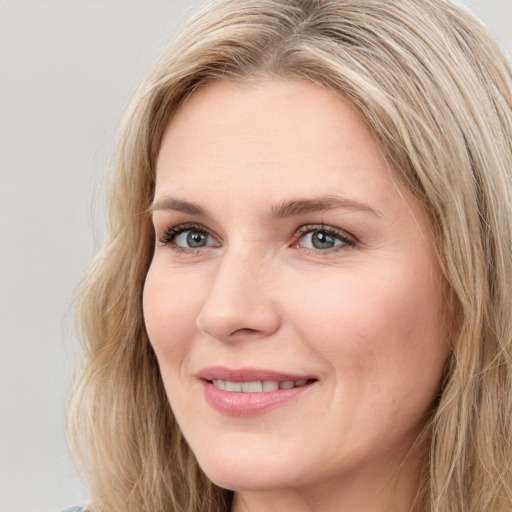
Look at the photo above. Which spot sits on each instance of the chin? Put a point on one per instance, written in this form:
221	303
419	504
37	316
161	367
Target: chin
250	480
243	473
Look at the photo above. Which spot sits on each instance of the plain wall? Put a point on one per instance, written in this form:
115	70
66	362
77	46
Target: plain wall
67	71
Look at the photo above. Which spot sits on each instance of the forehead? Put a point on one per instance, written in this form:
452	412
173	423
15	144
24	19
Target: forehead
287	131
291	111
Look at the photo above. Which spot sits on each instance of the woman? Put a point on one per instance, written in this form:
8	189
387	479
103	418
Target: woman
305	302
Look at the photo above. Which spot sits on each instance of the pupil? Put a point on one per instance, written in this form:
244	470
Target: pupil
195	239
322	240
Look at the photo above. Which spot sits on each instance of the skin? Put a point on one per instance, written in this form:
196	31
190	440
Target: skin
366	318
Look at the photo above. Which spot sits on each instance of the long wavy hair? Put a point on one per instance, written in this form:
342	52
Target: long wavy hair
436	90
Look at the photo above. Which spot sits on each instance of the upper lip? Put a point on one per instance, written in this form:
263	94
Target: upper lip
248	375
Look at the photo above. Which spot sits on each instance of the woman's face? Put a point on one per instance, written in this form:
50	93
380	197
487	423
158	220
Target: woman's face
294	301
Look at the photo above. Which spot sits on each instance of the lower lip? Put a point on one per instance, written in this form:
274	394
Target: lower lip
250	404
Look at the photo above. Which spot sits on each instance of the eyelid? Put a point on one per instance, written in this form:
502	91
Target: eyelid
346	238
169	234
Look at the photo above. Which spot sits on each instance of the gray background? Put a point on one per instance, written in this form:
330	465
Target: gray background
67	71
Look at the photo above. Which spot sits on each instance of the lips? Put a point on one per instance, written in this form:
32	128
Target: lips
248	392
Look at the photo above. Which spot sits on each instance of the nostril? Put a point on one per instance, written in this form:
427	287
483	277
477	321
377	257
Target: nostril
243	331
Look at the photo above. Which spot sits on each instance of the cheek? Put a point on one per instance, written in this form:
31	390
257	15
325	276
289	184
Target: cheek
170	313
381	332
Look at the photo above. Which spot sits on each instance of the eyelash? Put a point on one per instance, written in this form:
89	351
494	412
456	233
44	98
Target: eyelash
169	235
347	241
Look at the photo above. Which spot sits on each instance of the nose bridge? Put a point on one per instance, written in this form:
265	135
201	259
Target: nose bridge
237	273
239	300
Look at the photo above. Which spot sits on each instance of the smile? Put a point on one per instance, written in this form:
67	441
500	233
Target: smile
265	386
250	391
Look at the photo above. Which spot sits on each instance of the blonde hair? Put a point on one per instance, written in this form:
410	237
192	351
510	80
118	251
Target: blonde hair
437	92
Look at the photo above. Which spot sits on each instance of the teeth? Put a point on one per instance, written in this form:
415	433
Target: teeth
257	386
233	386
270	385
252	387
221	384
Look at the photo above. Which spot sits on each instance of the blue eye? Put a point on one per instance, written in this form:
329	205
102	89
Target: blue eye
192	239
320	240
323	238
187	237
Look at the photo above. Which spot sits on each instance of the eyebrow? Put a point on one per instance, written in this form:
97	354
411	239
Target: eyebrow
177	205
279	211
323	203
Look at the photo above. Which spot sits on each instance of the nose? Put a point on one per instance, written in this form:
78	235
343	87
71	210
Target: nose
239	302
